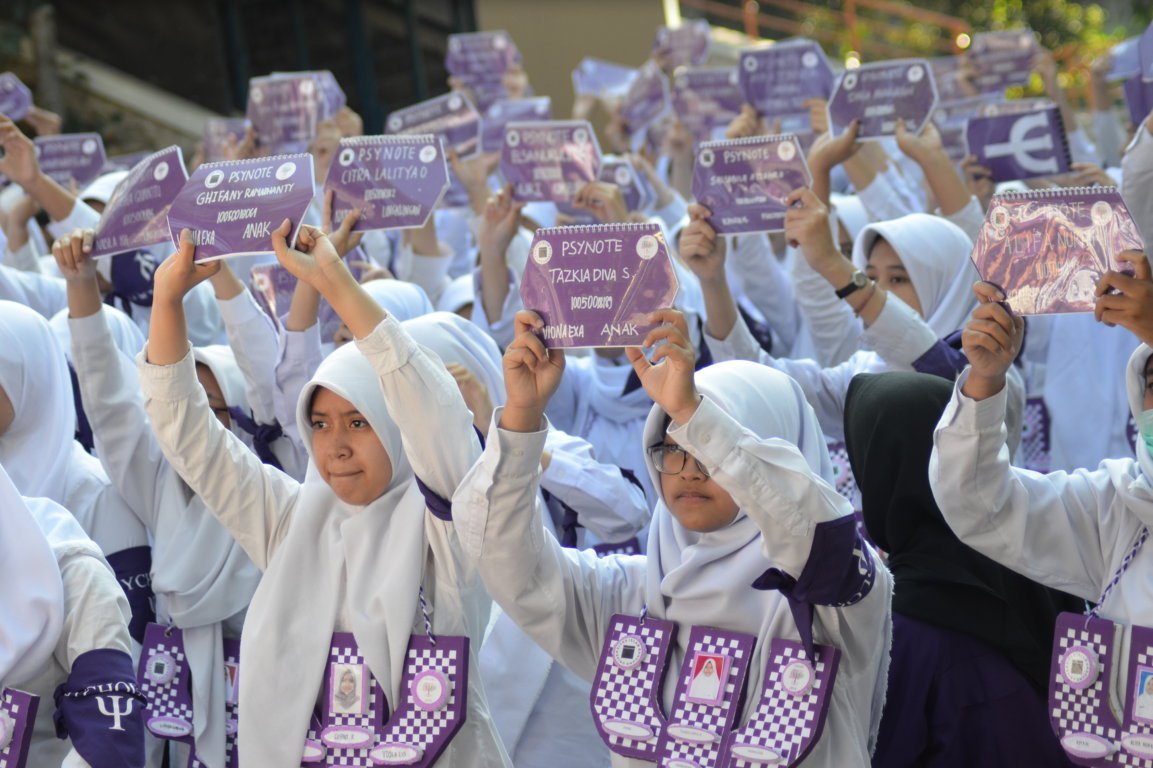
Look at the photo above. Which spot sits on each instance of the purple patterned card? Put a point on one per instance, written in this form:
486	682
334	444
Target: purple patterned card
217	132
1047	249
778	79
232	207
1124	60
507	111
71	157
137	214
595	285
646	99
950	118
480	56
882	95
602	79
451	116
1138	98
15	97
686	45
745	182
549	161
1021	146
395	181
17	718
166	682
331	94
1080	675
353	706
1002	59
706	98
285	110
272	285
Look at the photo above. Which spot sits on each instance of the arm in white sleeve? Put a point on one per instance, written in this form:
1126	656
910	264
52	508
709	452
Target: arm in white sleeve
23	258
1081	148
429	272
82	216
970	218
833	328
672	214
254	341
43	294
766	284
887	197
1137	181
1110	137
299	356
501	329
899	334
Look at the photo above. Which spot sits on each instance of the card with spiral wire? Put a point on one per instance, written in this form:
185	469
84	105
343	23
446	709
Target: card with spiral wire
745	182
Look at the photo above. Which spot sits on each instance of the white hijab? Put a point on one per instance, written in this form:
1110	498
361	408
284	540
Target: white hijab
32	615
126	335
456	340
935	253
1138	494
402	300
457	294
339	566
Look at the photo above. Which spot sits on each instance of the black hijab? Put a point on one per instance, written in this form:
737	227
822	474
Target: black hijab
889	423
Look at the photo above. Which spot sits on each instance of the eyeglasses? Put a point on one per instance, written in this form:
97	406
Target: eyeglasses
671	459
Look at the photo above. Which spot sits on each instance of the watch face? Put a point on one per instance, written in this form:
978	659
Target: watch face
860	279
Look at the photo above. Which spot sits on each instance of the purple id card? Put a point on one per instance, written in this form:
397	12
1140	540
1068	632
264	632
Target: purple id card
71	157
549	161
595	285
395	181
232	208
217	131
646	99
744	182
882	95
17	717
137	214
602	79
778	79
1047	249
1020	146
286	109
15	97
706	98
451	116
506	111
686	45
1002	59
166	682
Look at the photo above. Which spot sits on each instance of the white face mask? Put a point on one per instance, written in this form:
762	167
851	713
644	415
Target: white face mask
1145	427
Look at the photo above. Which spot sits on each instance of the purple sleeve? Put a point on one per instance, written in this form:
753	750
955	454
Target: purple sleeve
101	709
133	569
941	360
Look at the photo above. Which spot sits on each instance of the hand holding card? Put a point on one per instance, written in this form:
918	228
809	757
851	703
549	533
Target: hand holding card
668	375
991	339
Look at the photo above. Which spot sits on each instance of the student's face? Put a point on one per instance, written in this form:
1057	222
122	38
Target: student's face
215	394
696	501
1148	393
347	683
7	412
886	268
346	450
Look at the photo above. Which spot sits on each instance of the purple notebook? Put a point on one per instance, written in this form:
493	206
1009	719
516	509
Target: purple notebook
451	116
15	97
947	75
686	45
1014	107
1002	59
745	182
232	207
549	161
71	157
594	286
706	98
395	181
882	95
137	214
508	111
636	189
778	79
950	118
646	99
480	56
1145	53
602	79
330	91
1047	249
273	285
217	132
1021	146
1125	60
1138	98
285	110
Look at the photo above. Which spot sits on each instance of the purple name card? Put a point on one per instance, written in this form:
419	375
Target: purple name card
137	213
331	94
950	82
395	181
549	161
1002	59
1124	60
1020	146
745	182
451	116
1047	249
882	95
950	118
602	79
232	207
1138	98
637	191
15	97
481	56
285	110
71	157
706	98
686	45
1145	53
646	99
217	133
778	79
594	286
500	114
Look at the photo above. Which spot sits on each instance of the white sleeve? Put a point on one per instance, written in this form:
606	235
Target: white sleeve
833	328
23	258
96	612
673	213
502	329
970	218
298	357
82	216
765	284
1137	181
1110	137
255	342
43	294
899	334
1081	148
886	197
429	272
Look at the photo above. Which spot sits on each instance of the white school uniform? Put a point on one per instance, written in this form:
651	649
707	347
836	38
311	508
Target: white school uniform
564	599
330	566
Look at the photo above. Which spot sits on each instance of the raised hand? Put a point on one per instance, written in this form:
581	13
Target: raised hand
342	237
920	146
828	152
1126	300
180	273
700	249
72	255
18	161
604	200
668	376
532	374
475	396
500	222
991	339
314	260
43	121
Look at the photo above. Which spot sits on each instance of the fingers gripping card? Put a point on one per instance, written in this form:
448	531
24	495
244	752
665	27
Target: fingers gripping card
788	721
709	690
1079	689
17	715
626	691
166	682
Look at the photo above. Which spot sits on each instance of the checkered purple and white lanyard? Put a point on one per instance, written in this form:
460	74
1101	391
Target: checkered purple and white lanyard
1124	566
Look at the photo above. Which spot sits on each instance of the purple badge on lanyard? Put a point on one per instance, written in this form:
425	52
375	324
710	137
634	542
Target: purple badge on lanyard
1079	681
451	116
217	132
602	79
687	44
285	110
744	182
137	214
15	97
777	80
882	95
233	207
706	98
1022	146
71	157
506	111
594	286
1002	59
646	99
17	715
549	161
166	682
396	181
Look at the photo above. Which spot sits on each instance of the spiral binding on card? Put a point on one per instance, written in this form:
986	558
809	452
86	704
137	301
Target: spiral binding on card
774	138
1059	192
392	138
270	158
586	229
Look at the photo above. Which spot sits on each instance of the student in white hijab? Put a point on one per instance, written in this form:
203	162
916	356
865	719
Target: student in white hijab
748	499
351	548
